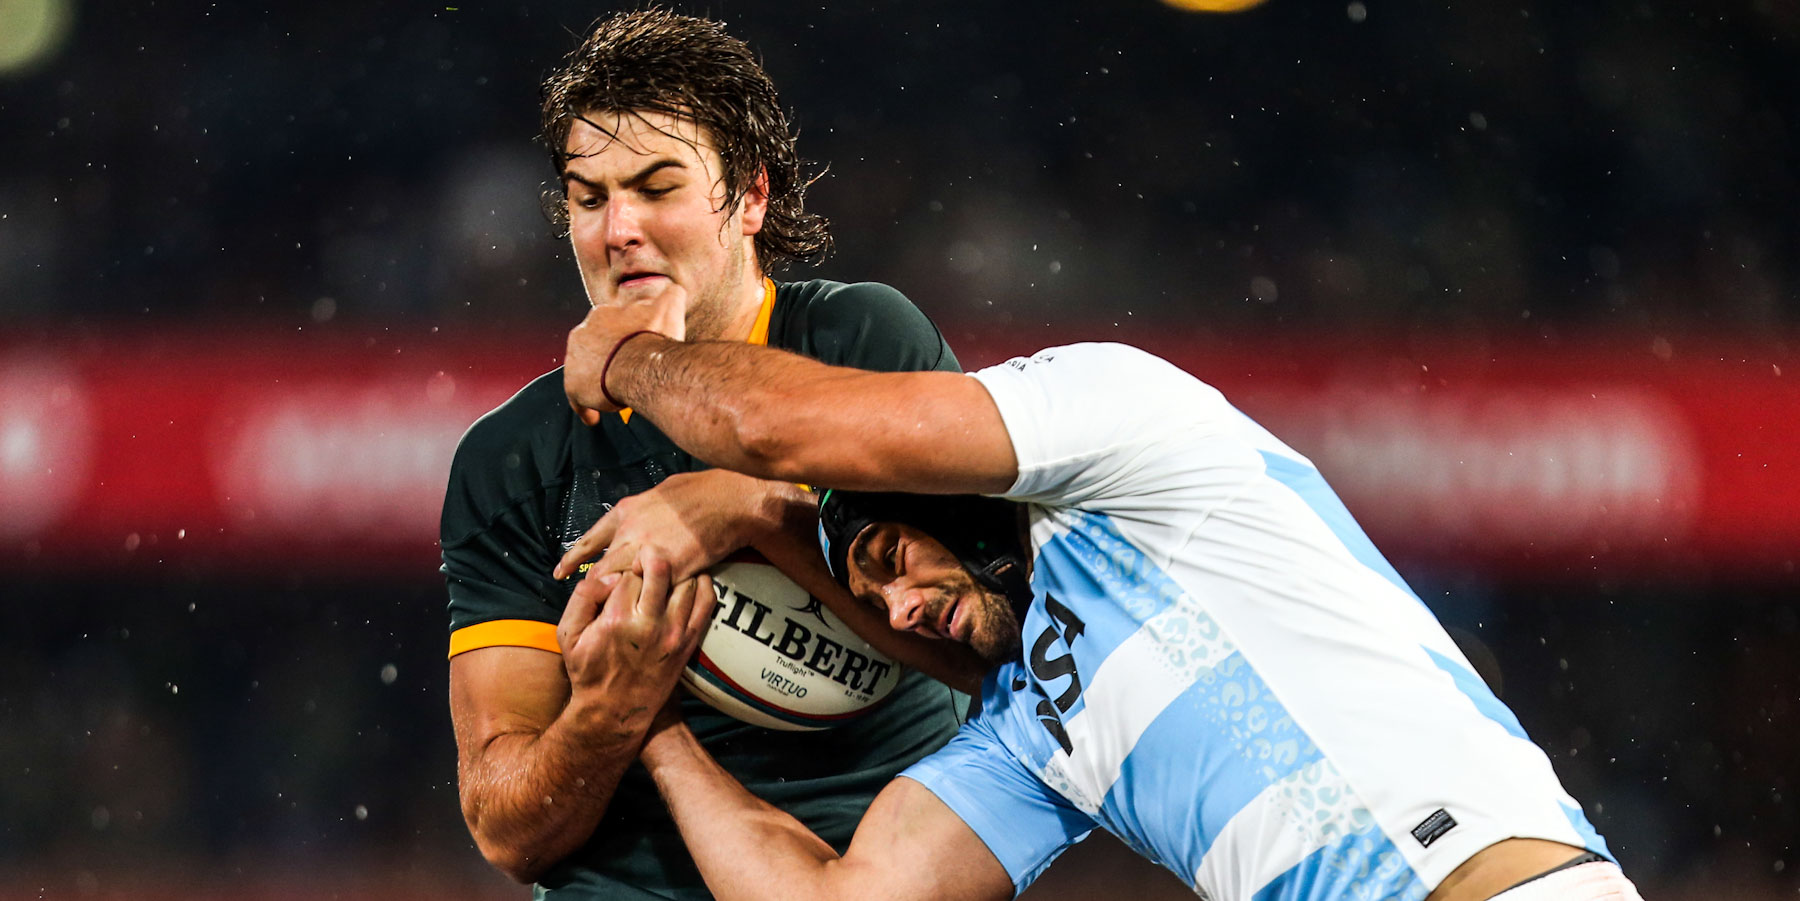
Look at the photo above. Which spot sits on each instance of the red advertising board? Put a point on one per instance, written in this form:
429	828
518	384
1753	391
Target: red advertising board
210	453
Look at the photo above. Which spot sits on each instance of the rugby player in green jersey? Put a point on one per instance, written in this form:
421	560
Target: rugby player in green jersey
678	172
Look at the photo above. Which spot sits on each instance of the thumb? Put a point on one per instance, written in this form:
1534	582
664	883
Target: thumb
669	317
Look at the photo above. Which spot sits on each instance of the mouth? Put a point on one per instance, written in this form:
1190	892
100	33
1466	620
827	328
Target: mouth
638	279
952	623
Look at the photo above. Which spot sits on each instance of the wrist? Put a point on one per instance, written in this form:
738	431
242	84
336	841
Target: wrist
620	363
604	713
667	743
769	505
790	507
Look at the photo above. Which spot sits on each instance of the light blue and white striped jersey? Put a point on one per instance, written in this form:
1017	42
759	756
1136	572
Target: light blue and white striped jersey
1219	667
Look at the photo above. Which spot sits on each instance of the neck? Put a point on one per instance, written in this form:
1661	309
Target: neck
737	315
747	308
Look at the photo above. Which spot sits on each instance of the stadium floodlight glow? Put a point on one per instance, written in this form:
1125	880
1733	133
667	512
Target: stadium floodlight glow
31	32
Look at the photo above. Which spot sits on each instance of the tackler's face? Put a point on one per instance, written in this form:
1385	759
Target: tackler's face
924	589
648	215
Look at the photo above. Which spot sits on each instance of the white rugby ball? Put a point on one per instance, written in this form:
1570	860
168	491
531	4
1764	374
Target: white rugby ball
776	657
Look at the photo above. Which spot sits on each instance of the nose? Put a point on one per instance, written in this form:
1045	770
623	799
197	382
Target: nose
624	226
906	609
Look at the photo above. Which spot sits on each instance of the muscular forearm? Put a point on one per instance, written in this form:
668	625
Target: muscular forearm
909	845
745	848
532	798
779	415
707	397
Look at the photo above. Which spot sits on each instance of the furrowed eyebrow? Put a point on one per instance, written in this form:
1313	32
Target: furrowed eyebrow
644	174
631	181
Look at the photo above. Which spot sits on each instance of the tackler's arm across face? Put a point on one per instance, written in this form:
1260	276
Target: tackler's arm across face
779	415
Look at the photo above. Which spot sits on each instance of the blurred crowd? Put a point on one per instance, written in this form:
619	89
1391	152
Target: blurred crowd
1619	164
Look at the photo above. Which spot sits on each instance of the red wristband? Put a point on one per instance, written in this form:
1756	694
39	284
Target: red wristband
607	366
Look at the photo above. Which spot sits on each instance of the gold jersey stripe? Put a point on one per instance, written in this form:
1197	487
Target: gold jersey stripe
509	633
759	333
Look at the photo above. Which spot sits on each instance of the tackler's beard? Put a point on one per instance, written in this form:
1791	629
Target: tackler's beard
998	640
992	631
996	632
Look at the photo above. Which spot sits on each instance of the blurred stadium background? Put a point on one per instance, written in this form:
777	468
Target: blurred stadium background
1520	277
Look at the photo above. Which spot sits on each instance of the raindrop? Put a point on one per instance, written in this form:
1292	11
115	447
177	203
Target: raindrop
1357	12
440	388
1263	289
362	813
389	673
966	258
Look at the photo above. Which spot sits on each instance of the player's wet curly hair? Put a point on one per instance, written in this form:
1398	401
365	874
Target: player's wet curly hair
655	60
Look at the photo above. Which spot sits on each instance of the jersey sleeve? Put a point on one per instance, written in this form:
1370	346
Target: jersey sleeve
497	597
1096	422
872	326
496	554
1018	817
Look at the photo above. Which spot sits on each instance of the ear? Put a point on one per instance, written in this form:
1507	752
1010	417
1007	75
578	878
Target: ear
755	204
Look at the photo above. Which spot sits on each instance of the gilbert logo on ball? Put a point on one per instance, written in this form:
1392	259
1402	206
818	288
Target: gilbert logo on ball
775	657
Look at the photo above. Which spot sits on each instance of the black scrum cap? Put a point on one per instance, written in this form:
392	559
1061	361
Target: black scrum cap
983	533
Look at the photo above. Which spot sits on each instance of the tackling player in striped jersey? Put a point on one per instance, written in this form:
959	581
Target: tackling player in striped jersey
1208	658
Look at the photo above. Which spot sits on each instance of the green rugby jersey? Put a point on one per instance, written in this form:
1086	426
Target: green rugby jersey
528	478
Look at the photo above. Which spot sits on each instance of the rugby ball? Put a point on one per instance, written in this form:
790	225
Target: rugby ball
775	656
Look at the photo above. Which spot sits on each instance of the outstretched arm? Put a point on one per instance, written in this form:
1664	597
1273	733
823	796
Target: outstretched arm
909	844
779	415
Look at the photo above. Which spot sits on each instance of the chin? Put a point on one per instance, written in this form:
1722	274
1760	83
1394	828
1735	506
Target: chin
1003	649
997	641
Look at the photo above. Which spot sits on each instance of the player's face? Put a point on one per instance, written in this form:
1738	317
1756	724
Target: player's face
647	215
924	589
